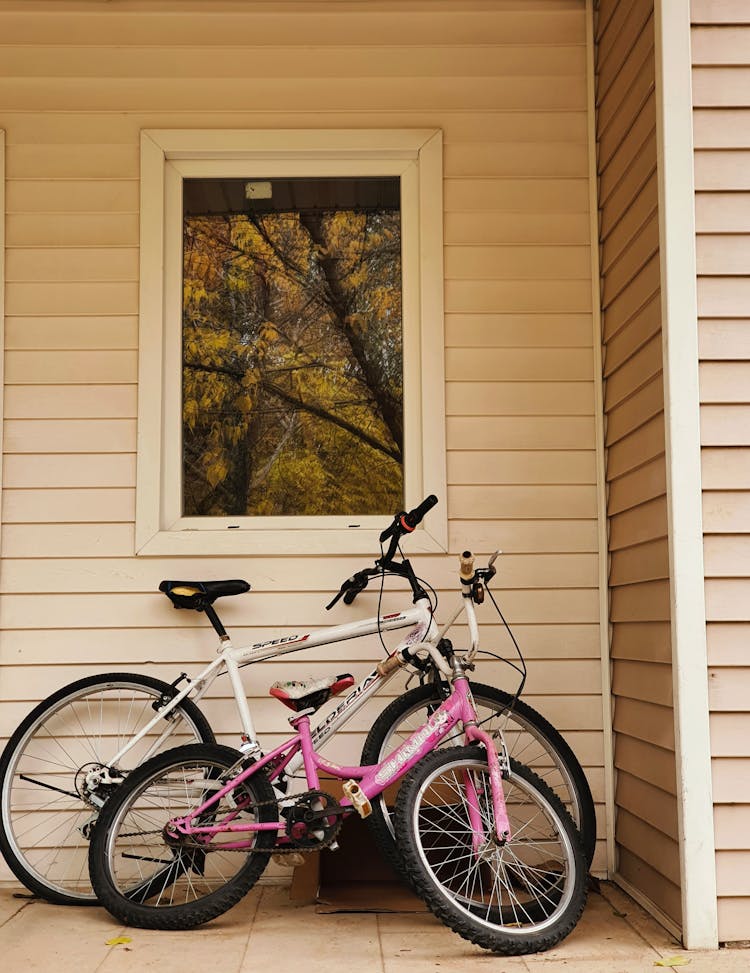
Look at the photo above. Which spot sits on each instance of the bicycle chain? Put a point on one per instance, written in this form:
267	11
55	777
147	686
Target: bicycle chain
335	809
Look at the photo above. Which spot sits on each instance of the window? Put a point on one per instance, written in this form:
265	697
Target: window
290	335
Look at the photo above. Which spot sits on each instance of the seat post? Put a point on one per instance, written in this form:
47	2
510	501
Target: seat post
216	622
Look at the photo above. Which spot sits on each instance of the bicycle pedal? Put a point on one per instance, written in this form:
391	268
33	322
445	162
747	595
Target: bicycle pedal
360	803
291	860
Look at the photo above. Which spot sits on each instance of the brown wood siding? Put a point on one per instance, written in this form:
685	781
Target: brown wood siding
721	122
646	809
506	83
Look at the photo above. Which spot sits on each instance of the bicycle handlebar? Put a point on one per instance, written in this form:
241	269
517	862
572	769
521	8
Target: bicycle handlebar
403	523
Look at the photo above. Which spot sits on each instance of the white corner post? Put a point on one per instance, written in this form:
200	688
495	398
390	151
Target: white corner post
674	133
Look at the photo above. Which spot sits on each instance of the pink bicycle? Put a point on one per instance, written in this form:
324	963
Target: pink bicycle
487	845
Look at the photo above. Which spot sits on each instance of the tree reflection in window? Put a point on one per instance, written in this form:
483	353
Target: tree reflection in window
292	348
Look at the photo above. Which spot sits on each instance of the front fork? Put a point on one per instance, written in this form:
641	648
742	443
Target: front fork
502	833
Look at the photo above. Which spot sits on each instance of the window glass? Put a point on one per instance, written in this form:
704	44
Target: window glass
292	352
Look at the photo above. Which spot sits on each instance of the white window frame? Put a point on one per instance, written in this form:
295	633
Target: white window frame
169	156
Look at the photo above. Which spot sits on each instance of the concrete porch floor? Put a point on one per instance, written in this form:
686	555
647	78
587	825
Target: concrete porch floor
267	932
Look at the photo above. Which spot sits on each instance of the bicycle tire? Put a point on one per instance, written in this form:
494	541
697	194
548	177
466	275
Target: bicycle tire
129	839
48	852
565	775
521	896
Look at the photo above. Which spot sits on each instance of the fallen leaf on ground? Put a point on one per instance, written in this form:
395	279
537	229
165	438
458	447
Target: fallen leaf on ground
672	961
118	941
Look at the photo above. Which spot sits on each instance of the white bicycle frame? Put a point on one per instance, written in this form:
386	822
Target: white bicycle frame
423	630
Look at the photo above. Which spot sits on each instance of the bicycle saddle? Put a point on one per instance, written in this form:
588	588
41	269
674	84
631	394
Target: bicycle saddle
299	694
198	594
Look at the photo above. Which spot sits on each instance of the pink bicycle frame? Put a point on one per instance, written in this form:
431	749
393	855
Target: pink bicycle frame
458	707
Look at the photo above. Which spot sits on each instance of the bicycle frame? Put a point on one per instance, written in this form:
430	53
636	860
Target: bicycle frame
230	659
457	708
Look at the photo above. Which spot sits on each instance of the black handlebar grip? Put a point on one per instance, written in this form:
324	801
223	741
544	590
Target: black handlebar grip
415	516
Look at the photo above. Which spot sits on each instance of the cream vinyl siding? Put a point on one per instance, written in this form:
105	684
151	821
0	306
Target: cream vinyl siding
506	84
646	808
721	117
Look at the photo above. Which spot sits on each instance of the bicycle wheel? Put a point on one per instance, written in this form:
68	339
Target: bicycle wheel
147	879
529	738
46	815
522	896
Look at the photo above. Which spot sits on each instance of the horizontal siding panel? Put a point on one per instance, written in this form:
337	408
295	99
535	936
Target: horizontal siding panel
723	296
526	501
728	254
658	889
663	850
67	297
721	170
519	432
519	364
725	382
63	367
727	599
636	372
636	296
647	482
645	562
655	766
730	737
631	260
728	688
523	536
727	555
727	644
725	425
722	87
71	264
23	470
142	575
652	804
642	406
75	161
68	506
642	641
639	447
730	780
639	331
646	522
726	512
733	918
217	26
716	128
136	611
519	398
518	331
120	649
72	196
645	681
71	229
261	62
517	195
722	213
70	402
628	224
645	721
522	466
71	333
536	160
646	601
70	436
480	296
621	64
517	263
497	227
729	45
721	340
632	182
68	540
136	94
